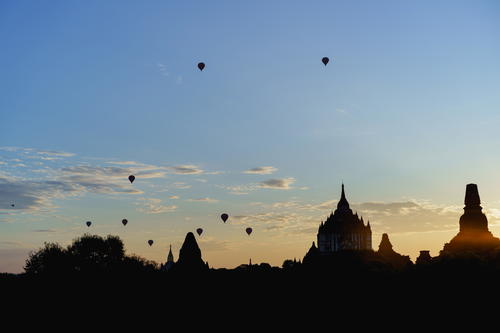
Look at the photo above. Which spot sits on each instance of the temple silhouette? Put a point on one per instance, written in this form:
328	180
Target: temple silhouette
344	238
344	230
474	234
170	261
190	259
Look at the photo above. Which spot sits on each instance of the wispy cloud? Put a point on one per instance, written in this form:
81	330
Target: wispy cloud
209	244
32	195
163	69
123	162
181	185
278	183
154	206
187	169
34	152
239	189
54	153
264	170
207	199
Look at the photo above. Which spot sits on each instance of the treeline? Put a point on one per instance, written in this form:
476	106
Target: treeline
95	258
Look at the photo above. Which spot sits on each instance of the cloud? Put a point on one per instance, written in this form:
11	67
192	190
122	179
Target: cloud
32	195
37	195
204	200
107	180
212	245
16	149
104	180
54	153
44	230
264	170
280	184
29	151
123	162
409	216
154	206
181	185
34	189
277	184
214	172
187	169
163	69
113	172
294	217
239	189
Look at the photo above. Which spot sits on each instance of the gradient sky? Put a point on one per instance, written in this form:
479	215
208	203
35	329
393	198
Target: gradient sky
406	113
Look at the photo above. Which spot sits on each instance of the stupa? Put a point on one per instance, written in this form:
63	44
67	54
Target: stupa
474	234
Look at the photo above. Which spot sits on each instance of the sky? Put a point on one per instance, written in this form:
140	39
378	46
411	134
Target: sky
406	114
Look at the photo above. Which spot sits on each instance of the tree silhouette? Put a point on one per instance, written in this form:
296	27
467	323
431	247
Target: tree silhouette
94	253
88	254
52	258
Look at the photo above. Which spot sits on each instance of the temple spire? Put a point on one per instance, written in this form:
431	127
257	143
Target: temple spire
170	257
343	204
472	196
473	217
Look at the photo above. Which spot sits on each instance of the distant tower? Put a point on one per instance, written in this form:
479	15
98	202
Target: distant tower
385	245
424	258
170	260
474	234
390	256
170	257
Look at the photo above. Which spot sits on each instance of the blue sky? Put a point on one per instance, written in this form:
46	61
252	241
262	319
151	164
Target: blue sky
407	109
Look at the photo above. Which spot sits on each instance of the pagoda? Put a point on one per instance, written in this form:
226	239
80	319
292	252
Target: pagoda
474	234
344	230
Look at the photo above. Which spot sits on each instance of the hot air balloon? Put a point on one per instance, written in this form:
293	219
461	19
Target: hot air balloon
150	242
131	178
224	217
199	231
124	221
325	60
249	231
88	223
201	65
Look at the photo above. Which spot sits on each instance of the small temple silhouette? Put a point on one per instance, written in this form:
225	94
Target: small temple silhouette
170	261
474	234
388	255
189	256
344	230
424	258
